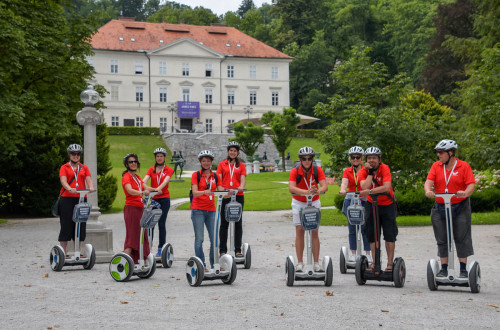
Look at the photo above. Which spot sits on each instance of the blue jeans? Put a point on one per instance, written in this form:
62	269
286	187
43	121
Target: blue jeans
165	207
200	218
353	244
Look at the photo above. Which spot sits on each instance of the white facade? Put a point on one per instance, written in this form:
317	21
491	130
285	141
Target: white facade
187	70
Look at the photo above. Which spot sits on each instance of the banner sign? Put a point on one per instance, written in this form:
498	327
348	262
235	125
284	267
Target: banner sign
188	109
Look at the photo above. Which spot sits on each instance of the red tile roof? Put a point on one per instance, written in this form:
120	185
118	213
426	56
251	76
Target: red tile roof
147	36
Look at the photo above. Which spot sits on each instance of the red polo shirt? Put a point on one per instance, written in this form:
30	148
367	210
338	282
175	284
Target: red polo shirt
81	173
306	185
204	202
461	177
224	170
136	183
354	180
382	175
158	178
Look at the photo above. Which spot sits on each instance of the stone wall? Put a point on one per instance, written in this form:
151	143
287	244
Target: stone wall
192	143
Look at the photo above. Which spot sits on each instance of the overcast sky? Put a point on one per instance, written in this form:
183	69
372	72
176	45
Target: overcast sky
220	7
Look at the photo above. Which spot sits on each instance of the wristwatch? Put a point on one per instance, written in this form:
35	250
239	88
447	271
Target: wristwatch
370	192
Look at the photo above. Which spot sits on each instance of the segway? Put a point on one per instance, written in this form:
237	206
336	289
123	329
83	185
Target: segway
224	267
398	272
58	260
356	217
473	280
233	214
122	267
310	217
166	257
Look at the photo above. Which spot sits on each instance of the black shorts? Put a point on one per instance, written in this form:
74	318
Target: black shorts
67	232
387	218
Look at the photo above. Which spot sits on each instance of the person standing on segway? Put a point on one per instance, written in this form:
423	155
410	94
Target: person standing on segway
73	176
304	179
451	175
351	182
376	178
232	173
160	175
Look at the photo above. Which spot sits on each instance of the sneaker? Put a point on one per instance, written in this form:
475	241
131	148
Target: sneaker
442	273
299	267
369	258
463	274
352	258
158	254
317	267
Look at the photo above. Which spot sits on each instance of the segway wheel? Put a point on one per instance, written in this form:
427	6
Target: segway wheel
167	255
431	279
290	272
232	275
121	267
329	273
194	271
248	258
361	265
342	263
57	258
152	268
399	272
475	278
90	264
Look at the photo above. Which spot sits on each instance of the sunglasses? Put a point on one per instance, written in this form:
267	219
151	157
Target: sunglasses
309	159
439	152
355	157
132	161
75	154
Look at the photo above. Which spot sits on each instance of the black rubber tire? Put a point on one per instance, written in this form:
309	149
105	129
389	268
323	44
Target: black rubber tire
290	272
167	255
431	279
125	266
57	258
232	274
90	264
342	263
329	273
194	271
152	270
399	272
248	258
475	278
361	265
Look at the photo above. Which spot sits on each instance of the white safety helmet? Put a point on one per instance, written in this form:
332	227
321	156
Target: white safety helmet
160	151
233	144
75	148
306	151
356	150
446	145
206	153
373	151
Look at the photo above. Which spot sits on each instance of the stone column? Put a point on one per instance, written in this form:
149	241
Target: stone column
98	235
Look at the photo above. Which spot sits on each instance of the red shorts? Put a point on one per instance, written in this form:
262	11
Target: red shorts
133	216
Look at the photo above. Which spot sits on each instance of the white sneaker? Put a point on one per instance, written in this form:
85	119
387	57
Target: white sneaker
352	258
369	258
317	267
299	267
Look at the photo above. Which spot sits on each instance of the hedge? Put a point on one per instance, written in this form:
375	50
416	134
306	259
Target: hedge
132	130
307	133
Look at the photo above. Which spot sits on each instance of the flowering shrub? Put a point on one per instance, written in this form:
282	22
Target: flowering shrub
408	180
486	179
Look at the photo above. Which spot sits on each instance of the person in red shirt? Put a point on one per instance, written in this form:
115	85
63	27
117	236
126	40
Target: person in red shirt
160	175
351	182
203	205
232	173
134	206
376	179
73	176
451	175
306	186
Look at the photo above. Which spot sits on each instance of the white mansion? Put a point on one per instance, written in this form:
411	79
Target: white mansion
176	76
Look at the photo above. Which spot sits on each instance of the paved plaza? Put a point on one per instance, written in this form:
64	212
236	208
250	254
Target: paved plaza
35	297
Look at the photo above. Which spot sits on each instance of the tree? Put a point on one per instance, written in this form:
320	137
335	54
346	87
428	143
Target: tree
244	7
283	128
107	183
249	137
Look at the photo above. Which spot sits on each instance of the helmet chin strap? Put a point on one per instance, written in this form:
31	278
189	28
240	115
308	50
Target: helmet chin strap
73	163
448	161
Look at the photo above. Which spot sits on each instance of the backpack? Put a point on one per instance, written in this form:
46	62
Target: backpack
315	173
198	177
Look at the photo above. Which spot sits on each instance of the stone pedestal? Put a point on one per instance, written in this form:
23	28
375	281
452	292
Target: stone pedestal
318	162
249	167
256	165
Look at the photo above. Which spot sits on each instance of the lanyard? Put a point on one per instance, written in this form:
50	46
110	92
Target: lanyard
355	178
139	185
76	174
209	186
231	173
310	181
447	180
158	177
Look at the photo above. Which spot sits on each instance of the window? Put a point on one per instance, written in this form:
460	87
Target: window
230	97
163	94
208	125
253	97
114	66
208	70
139	121
163	124
162	69
230	71
274	73
253	72
139	94
208	95
115	121
138	68
185	69
230	121
115	92
185	94
275	98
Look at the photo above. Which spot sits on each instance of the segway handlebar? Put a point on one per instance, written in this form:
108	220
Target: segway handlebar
320	193
447	197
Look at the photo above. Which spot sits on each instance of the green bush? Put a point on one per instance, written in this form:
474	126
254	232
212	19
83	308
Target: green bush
132	130
414	202
307	133
107	186
485	200
338	201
